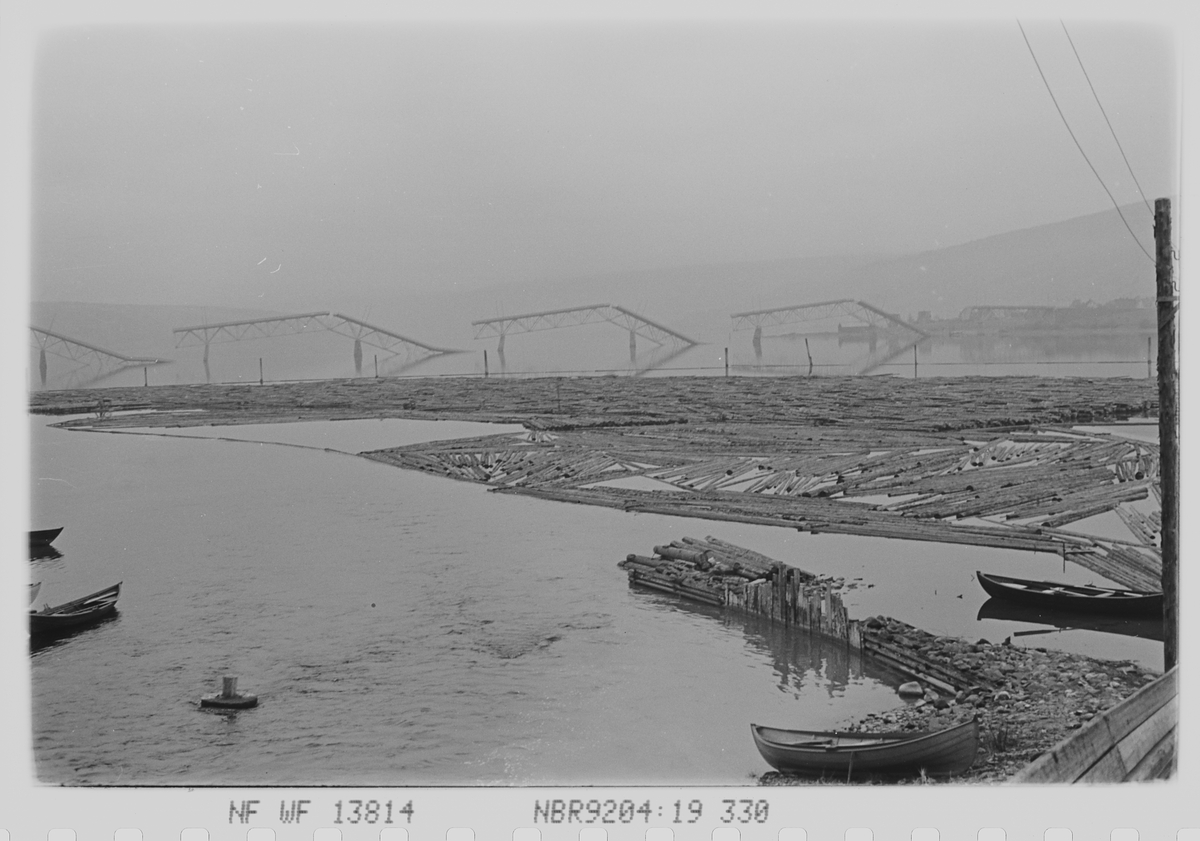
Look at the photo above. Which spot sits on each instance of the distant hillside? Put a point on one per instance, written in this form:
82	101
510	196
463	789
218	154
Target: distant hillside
1087	258
695	300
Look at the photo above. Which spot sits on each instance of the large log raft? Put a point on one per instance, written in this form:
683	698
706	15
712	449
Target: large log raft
998	489
980	461
885	403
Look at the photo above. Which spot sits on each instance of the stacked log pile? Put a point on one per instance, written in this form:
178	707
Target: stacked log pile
711	571
702	570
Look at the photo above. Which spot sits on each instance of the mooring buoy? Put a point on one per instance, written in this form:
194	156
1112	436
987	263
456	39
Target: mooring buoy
229	698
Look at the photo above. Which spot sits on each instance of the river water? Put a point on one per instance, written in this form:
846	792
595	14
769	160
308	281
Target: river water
406	629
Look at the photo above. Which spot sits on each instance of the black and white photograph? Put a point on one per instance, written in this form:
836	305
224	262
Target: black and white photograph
764	406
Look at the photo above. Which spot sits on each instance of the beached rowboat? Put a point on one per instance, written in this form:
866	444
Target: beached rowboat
44	537
1086	599
72	615
811	752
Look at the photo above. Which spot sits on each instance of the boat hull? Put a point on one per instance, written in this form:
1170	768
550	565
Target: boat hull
1051	596
943	753
44	537
69	617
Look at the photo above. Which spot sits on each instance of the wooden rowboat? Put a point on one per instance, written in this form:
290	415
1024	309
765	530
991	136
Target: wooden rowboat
1086	599
77	614
44	537
811	752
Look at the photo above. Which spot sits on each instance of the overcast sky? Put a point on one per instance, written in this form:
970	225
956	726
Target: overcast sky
289	166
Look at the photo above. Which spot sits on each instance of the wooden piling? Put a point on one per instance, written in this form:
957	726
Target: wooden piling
1168	427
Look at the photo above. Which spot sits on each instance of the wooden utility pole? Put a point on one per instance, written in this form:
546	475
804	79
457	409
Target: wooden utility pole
1168	428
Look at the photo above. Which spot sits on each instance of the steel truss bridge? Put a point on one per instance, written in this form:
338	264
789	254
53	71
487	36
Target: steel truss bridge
869	320
637	325
86	363
391	343
865	314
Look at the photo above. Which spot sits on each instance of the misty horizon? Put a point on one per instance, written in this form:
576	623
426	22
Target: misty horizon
290	168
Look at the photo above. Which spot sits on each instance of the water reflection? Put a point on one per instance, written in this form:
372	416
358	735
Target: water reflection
800	661
1145	628
984	354
46	642
798	657
44	553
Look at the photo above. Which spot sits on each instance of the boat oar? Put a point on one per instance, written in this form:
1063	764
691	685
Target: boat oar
1043	631
850	767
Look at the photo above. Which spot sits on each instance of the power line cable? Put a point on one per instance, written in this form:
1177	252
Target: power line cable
1105	113
1079	147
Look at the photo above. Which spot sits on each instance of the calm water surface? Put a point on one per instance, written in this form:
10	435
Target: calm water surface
398	628
401	628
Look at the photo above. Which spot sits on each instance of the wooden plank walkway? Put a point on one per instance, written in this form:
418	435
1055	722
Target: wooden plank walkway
1135	740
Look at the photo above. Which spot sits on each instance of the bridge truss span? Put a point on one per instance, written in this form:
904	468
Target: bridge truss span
87	363
254	328
868	321
391	343
866	315
531	322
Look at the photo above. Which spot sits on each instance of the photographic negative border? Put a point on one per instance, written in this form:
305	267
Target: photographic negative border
32	810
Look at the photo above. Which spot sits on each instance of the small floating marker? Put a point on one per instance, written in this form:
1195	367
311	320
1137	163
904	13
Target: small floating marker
229	698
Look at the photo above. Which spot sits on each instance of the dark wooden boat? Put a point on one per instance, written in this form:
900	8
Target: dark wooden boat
813	753
77	614
1050	595
44	553
1146	627
44	537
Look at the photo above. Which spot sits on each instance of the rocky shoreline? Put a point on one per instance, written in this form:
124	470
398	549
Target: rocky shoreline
1027	700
